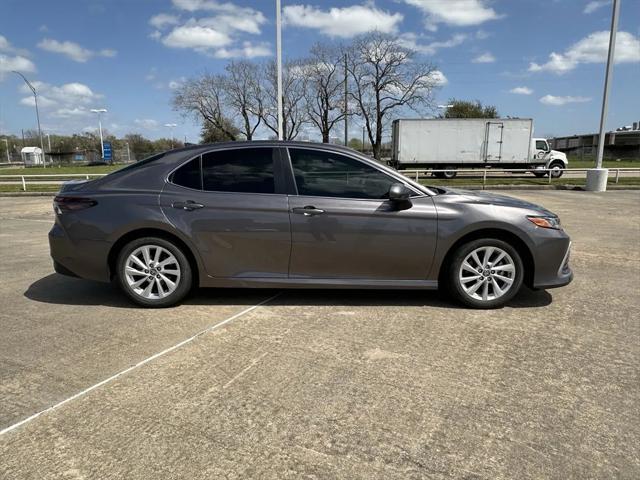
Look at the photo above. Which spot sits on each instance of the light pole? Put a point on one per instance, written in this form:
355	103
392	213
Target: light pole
6	142
171	127
597	177
279	66
35	98
100	111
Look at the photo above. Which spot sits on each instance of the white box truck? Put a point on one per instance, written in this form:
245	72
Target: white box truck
452	143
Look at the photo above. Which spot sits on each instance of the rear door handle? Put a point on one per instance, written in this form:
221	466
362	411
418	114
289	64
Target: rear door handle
189	205
308	211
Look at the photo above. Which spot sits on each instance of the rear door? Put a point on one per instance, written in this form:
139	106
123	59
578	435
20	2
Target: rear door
343	226
493	146
233	206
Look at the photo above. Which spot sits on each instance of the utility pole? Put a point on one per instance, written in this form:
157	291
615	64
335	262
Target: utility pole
279	67
597	177
363	139
7	145
171	127
100	111
35	98
346	103
128	154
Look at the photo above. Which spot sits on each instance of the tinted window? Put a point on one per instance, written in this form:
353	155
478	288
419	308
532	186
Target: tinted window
326	174
540	145
248	170
188	175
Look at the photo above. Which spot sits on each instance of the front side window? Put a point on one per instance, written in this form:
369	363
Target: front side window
326	174
541	145
245	170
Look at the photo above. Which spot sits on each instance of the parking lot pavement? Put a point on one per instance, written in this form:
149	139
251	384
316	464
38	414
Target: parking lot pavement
326	384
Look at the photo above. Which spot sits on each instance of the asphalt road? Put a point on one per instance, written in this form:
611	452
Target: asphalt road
325	384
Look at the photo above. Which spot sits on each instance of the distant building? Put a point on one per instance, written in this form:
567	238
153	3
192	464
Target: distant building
619	144
32	156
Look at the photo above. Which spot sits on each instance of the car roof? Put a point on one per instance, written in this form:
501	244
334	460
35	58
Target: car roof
263	143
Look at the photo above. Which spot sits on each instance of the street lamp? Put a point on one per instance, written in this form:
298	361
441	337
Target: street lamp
279	66
597	177
100	111
171	127
35	98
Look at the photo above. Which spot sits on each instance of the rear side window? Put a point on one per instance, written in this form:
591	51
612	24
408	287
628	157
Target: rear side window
188	175
326	174
244	170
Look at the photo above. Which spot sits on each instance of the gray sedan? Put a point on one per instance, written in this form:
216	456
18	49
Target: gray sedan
298	215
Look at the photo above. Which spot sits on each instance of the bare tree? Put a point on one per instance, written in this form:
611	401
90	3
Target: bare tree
205	98
244	95
325	88
385	77
294	112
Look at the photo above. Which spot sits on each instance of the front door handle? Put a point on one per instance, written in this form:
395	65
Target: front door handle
189	205
308	211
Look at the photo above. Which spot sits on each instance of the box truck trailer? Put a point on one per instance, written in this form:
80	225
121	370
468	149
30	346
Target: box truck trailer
452	143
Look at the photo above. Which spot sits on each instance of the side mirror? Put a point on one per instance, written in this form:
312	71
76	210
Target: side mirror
399	193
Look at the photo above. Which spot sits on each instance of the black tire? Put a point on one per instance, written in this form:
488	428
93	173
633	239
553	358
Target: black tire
183	282
454	285
556	173
450	172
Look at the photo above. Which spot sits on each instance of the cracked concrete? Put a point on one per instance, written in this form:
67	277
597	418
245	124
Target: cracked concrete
327	384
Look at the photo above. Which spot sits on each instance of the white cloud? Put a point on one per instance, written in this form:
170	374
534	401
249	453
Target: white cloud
521	91
162	20
247	50
217	35
18	62
439	78
147	123
196	37
345	22
65	101
457	13
559	101
591	49
173	84
486	57
72	50
412	41
5	46
12	58
595	5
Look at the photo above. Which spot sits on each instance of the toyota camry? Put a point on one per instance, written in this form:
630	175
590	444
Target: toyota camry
298	215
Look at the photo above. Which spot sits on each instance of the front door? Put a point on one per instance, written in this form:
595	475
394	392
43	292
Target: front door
343	227
228	203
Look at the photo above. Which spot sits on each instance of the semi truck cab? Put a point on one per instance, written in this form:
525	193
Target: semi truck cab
554	160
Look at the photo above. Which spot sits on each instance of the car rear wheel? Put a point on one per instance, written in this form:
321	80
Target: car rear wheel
485	273
154	272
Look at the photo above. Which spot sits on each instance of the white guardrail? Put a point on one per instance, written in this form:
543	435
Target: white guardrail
467	173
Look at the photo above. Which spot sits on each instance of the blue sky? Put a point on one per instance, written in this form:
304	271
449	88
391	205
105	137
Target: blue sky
530	58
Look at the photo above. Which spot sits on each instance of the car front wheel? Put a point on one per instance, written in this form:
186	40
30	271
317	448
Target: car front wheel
154	272
485	273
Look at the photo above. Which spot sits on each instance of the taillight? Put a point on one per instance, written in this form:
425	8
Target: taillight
72	204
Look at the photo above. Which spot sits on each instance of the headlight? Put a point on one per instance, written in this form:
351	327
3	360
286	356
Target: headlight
544	221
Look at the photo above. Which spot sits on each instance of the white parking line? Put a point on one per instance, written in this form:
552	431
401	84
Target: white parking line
137	365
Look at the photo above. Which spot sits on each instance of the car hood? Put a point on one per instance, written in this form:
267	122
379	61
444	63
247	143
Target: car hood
474	196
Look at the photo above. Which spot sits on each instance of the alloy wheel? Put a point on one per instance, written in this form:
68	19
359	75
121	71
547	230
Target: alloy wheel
152	272
487	273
